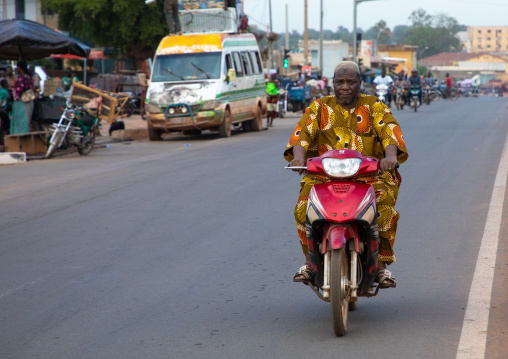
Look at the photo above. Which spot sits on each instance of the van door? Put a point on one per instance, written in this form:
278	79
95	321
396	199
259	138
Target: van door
250	84
239	85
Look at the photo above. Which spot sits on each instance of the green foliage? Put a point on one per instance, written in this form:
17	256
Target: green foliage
129	25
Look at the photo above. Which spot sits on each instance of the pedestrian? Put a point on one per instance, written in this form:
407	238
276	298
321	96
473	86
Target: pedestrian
449	85
11	76
171	11
23	105
5	109
69	79
272	98
36	80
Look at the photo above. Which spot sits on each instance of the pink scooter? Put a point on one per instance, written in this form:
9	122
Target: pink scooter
342	231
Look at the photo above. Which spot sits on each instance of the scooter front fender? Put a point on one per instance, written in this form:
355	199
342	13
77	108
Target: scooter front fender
337	235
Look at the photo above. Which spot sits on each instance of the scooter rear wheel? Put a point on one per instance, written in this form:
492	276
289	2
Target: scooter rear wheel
339	279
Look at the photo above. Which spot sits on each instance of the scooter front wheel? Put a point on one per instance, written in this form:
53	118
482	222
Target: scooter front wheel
339	274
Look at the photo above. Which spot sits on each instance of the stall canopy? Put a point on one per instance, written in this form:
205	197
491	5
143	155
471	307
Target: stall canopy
29	40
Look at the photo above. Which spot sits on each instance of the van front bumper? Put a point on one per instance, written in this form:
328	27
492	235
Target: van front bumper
199	120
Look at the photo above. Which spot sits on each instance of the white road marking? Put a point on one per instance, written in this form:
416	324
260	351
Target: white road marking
473	339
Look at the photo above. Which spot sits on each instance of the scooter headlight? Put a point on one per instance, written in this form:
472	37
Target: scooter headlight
346	167
171	111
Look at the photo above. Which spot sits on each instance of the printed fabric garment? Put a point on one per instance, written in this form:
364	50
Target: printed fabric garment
368	129
23	84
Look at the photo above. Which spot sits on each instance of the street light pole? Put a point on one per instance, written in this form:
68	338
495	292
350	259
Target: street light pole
355	45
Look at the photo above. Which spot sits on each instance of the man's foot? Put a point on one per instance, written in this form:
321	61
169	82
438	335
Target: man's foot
385	279
304	274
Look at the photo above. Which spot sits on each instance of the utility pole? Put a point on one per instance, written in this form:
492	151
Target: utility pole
287	41
321	40
270	50
305	39
287	31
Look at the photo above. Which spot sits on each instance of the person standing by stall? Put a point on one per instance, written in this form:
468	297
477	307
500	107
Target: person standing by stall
69	79
23	105
5	109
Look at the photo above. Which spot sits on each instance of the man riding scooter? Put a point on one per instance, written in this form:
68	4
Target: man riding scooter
386	80
350	120
415	81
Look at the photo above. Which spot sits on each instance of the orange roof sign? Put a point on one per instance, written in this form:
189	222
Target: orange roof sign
190	43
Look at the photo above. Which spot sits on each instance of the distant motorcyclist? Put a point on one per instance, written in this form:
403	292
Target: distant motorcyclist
429	80
415	81
385	79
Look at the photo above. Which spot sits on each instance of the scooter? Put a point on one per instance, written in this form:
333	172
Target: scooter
382	92
399	98
342	232
414	92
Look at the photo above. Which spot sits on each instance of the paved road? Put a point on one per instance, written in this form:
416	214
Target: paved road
186	249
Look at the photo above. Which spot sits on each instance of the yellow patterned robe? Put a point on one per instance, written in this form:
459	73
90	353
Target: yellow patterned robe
368	128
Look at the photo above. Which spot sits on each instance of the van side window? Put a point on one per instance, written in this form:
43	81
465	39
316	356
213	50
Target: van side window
256	62
246	62
228	64
238	64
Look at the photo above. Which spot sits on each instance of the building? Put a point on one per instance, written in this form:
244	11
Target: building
334	51
27	10
463	65
487	39
403	56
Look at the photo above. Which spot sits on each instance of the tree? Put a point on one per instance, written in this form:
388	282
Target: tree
432	34
130	25
420	17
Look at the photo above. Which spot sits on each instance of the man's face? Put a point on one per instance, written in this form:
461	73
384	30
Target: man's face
414	73
346	85
383	73
9	71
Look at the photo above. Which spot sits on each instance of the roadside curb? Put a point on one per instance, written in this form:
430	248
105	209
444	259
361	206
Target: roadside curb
11	158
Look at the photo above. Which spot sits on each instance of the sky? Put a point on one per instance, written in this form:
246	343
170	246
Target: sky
394	12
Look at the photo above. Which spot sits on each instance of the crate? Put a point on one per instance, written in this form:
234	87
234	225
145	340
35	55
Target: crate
82	94
50	86
31	142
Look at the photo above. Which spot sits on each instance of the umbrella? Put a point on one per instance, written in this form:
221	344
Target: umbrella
29	40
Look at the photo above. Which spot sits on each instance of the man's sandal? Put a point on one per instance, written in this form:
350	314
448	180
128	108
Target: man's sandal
385	275
304	274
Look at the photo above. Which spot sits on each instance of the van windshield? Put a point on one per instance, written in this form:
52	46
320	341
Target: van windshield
187	67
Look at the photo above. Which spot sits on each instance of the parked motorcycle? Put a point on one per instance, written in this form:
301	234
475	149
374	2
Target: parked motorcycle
414	92
75	128
342	232
382	93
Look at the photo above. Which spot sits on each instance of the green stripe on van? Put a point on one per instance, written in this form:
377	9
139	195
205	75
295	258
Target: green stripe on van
239	43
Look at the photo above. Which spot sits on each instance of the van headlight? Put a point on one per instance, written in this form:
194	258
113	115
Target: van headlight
346	167
210	105
152	108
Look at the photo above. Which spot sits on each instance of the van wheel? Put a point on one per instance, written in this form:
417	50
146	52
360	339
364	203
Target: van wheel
257	122
154	135
225	126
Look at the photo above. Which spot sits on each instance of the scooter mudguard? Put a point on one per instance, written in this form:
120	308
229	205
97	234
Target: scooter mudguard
337	235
